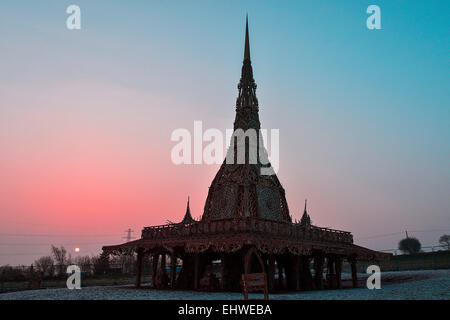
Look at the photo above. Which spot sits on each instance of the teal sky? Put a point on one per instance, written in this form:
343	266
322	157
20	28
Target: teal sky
364	115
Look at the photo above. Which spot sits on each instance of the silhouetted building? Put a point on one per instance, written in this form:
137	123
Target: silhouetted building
246	226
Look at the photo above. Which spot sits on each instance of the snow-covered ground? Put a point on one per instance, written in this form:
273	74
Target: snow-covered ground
432	284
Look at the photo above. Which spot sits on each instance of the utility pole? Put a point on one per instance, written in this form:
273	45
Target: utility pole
128	237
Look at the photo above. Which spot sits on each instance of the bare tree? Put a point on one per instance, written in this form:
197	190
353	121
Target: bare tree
45	266
60	257
84	262
444	240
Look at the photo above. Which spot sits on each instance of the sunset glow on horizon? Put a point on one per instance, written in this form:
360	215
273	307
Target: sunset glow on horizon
86	117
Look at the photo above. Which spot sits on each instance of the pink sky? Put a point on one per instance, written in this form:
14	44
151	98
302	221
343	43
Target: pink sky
84	173
86	117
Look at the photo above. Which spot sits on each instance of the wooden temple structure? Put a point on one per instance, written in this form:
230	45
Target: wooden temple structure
246	227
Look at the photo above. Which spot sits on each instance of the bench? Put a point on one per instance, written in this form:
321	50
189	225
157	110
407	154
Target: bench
255	282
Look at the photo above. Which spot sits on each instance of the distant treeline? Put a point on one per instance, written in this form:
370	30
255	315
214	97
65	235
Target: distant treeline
417	261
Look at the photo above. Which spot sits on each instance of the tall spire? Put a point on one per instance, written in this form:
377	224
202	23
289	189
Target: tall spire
247	103
239	189
247	71
247	41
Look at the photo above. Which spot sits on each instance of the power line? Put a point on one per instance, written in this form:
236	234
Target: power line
380	236
437	230
23	254
401	232
49	244
55	235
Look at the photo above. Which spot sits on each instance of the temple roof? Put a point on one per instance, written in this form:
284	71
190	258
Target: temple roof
187	216
306	220
245	208
239	189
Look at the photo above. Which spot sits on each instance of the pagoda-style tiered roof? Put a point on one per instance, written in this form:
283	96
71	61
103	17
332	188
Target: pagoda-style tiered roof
241	190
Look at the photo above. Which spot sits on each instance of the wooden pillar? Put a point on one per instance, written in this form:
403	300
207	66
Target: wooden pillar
280	274
233	268
318	270
301	274
271	272
196	271
185	277
338	270
354	274
163	274
291	272
308	275
154	268
330	272
140	253
306	279
233	264
173	269
298	267
163	264
223	272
